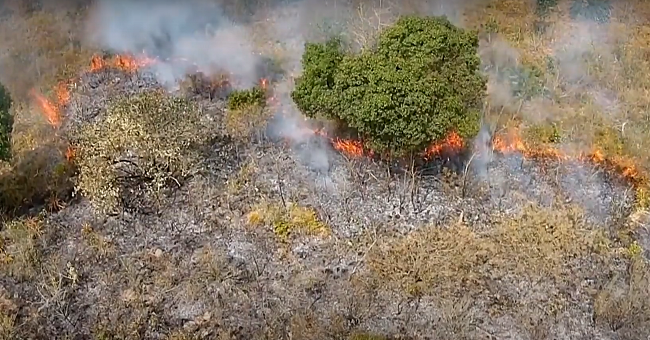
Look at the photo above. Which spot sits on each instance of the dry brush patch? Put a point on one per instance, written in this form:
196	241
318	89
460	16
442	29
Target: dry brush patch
146	144
239	289
623	304
536	258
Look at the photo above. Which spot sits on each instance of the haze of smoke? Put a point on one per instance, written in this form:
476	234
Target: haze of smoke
575	48
202	34
183	35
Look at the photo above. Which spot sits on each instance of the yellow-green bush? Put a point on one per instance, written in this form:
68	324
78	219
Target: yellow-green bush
145	145
287	221
240	99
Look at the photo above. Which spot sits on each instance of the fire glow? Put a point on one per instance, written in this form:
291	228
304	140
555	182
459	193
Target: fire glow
506	143
452	144
52	108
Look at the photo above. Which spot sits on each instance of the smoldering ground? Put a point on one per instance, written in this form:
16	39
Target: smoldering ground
200	266
203	34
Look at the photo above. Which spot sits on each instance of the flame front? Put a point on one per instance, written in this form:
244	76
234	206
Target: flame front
49	109
350	147
452	143
52	109
123	62
513	143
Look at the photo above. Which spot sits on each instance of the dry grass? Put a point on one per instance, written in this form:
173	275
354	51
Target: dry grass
530	260
19	247
623	304
457	261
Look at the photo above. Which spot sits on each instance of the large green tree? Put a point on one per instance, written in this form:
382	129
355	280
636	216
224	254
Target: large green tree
419	82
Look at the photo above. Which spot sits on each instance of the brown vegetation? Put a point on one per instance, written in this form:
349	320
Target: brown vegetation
222	236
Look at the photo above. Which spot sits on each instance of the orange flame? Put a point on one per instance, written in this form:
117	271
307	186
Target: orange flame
512	142
97	63
62	94
350	147
452	143
52	109
123	62
70	153
49	109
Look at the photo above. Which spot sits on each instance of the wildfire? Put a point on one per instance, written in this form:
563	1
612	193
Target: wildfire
509	143
70	153
350	147
52	108
122	62
49	109
452	143
62	94
512	142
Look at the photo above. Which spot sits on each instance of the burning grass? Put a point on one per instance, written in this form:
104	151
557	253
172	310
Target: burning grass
143	276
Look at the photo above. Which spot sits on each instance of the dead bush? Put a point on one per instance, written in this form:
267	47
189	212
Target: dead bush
624	307
212	87
146	145
34	178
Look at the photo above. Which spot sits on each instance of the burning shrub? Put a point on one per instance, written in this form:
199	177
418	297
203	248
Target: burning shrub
138	151
6	123
417	84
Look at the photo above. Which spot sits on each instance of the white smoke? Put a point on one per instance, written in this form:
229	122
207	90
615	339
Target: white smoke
183	35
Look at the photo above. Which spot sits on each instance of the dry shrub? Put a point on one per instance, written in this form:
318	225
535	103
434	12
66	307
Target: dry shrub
457	261
215	86
246	122
36	177
625	308
146	145
19	251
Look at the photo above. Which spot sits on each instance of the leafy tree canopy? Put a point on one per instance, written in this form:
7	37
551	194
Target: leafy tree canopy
419	82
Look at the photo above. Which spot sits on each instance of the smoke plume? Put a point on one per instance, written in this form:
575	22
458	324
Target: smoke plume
190	35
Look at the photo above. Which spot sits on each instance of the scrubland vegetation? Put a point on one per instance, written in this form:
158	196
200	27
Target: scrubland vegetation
155	215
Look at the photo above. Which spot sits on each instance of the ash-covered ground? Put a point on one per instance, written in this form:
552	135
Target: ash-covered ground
201	267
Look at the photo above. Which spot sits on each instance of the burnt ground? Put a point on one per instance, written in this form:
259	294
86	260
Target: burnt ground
411	255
